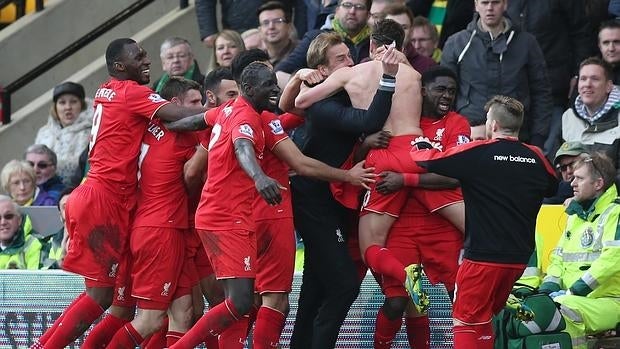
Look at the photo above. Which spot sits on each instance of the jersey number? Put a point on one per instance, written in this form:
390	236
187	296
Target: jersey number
95	128
215	135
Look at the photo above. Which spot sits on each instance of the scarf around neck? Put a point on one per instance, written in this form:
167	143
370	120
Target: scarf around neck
164	78
361	36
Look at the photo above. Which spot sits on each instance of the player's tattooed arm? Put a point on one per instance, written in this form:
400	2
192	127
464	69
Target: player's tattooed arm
392	181
192	123
266	186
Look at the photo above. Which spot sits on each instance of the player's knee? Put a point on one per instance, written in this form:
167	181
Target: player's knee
149	321
394	307
277	301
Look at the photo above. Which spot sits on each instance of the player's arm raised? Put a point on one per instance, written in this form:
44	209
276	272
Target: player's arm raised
288	152
191	123
268	187
334	83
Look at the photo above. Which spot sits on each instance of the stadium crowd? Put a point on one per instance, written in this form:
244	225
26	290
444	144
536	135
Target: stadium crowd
404	138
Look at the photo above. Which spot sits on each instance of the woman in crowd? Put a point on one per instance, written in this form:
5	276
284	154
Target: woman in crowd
228	44
18	179
68	126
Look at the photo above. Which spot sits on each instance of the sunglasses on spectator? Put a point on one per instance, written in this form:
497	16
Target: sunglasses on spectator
564	168
8	216
594	167
274	21
357	7
40	165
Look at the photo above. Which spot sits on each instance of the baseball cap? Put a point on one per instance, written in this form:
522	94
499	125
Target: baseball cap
68	87
569	149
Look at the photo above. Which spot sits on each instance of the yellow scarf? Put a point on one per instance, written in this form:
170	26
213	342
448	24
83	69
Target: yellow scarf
361	36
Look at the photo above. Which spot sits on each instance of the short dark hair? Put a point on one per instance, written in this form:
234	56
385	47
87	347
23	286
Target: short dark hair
244	59
115	50
250	74
275	5
609	74
388	31
178	86
215	77
436	71
609	24
508	112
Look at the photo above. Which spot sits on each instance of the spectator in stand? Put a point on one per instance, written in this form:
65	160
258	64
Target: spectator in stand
17	250
425	38
403	16
275	30
317	11
492	57
562	30
609	45
593	119
19	181
564	161
67	131
44	161
584	273
349	21
177	59
228	44
251	39
598	11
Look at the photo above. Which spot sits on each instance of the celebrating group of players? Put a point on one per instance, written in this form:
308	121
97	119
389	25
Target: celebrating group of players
132	228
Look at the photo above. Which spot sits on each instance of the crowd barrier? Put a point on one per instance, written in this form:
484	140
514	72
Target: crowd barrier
30	301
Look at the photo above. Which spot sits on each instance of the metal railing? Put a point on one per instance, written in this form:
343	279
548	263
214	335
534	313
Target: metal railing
8	90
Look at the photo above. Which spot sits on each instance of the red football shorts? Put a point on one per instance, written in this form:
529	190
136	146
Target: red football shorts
437	249
232	253
98	225
275	255
203	265
158	254
189	273
122	289
396	158
482	290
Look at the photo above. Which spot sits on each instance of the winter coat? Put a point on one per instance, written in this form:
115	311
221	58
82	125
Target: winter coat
67	142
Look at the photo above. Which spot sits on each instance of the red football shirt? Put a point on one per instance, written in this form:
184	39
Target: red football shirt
449	131
228	194
274	168
162	198
122	111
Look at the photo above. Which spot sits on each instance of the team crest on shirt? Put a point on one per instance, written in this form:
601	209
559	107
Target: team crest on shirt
113	270
166	289
439	134
462	139
155	98
246	262
276	127
227	111
120	293
246	129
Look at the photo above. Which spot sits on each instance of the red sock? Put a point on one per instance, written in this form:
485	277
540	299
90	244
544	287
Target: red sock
212	342
50	331
173	337
269	326
252	318
101	334
418	332
385	330
158	339
126	337
235	335
485	336
382	261
214	322
76	321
